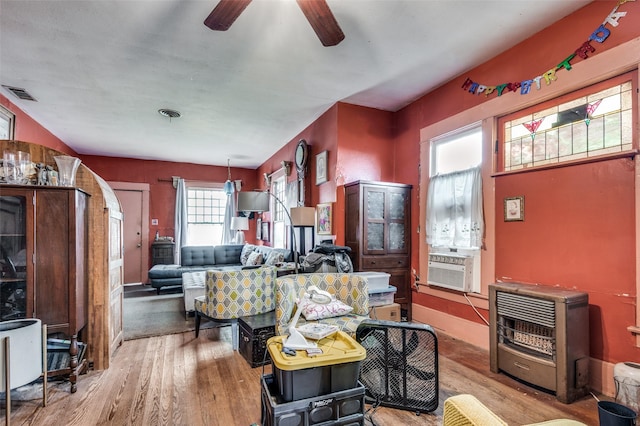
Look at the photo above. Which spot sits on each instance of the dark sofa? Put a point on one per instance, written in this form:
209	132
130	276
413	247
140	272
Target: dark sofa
222	257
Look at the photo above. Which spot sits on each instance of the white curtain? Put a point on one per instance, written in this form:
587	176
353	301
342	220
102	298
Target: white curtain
180	220
454	209
228	235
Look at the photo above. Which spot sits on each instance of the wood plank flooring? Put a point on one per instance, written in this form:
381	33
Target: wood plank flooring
179	380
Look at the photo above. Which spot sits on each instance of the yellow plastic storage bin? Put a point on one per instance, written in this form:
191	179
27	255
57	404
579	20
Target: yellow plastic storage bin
302	376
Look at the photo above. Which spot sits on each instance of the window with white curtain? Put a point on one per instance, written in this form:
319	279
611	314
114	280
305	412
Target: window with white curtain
454	196
205	215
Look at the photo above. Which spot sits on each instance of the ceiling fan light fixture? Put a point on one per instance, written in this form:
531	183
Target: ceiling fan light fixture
171	113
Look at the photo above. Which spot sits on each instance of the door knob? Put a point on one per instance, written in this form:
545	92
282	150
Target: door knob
139	245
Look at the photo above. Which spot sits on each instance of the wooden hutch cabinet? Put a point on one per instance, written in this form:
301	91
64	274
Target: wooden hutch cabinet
43	237
377	229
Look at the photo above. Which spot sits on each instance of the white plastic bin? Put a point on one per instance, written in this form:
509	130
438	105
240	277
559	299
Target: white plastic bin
382	297
375	280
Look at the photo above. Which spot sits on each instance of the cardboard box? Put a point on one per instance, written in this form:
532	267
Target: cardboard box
387	312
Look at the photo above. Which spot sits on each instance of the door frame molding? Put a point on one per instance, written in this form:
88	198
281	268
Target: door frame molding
144	188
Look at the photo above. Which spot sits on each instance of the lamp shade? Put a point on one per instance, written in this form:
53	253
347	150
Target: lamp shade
253	201
228	187
239	223
303	216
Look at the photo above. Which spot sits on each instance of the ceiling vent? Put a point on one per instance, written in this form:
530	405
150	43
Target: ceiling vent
20	93
169	113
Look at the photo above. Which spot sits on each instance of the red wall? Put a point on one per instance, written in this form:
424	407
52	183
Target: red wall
579	229
360	146
162	194
578	232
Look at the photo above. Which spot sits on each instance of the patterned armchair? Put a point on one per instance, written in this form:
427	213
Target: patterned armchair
230	295
348	288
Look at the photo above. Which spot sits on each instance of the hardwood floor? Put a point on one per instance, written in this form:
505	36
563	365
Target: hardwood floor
179	380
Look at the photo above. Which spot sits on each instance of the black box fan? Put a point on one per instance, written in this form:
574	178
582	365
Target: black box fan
401	367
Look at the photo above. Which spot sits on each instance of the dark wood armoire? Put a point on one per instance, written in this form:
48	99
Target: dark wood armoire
377	229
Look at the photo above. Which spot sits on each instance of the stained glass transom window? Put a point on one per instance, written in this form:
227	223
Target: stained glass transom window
595	124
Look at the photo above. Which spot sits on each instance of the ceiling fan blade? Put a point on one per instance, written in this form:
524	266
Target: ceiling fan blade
225	13
322	21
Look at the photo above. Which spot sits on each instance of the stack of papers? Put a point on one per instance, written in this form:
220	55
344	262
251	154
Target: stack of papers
317	331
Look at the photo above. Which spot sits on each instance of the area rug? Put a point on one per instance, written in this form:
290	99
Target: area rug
147	314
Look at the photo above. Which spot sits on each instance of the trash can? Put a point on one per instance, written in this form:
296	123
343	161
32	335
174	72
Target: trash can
626	376
614	414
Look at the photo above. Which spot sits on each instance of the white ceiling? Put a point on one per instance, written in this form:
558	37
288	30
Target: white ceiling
101	69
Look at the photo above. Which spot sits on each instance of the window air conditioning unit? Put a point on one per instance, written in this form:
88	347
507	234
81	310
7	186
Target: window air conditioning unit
452	271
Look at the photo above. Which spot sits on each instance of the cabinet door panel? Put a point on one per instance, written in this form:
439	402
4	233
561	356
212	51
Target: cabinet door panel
15	252
398	221
401	280
52	254
374	221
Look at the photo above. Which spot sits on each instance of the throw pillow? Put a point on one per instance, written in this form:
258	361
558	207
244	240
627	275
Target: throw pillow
246	251
275	256
255	258
315	311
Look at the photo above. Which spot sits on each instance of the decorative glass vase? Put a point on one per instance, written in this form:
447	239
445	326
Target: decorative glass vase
67	168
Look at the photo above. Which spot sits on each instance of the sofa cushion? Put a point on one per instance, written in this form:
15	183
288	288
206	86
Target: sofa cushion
246	252
197	256
165	271
266	250
227	254
315	311
274	257
255	258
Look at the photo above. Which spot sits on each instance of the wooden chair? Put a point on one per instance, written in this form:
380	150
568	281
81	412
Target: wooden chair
230	295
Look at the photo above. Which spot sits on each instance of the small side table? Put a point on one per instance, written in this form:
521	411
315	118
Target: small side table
162	253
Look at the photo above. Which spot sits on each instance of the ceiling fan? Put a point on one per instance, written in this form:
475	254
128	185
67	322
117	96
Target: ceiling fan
317	12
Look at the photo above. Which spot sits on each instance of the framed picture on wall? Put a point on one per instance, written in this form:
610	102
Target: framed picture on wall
258	229
514	209
321	168
265	231
323	219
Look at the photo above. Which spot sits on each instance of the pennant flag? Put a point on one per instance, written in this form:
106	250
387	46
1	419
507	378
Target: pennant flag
591	108
533	127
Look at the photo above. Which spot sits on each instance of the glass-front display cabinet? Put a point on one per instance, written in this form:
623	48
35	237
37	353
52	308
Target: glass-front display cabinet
377	229
14	249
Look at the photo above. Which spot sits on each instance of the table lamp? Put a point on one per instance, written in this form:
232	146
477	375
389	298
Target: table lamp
239	224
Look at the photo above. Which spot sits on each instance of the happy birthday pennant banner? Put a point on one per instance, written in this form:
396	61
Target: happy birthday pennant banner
598	36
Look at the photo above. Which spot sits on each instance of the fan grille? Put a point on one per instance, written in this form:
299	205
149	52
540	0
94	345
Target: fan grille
401	368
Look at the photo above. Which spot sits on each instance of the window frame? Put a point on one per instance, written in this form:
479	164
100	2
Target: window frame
278	216
631	76
450	137
205	186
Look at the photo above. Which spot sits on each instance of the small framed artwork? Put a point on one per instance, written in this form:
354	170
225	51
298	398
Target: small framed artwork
321	168
258	229
514	209
265	231
323	219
